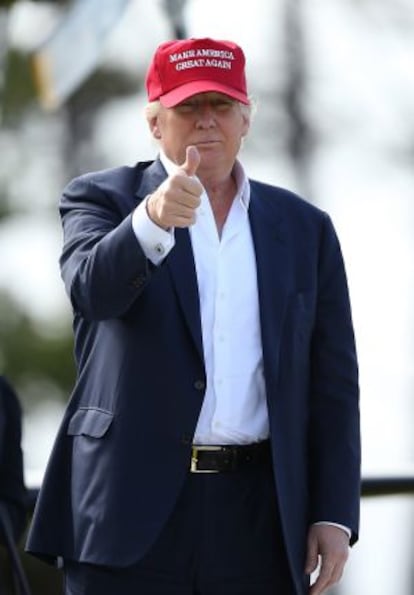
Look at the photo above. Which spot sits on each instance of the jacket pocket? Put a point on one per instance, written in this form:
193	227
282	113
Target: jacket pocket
90	422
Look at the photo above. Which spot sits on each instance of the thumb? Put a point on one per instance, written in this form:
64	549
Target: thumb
192	161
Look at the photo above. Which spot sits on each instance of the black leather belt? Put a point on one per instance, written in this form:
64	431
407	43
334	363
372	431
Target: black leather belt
219	459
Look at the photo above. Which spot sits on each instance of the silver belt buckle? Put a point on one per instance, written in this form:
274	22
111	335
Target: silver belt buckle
194	458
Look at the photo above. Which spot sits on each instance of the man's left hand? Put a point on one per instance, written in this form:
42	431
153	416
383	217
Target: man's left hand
328	546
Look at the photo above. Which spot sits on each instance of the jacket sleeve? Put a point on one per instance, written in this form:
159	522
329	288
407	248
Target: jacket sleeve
102	264
334	435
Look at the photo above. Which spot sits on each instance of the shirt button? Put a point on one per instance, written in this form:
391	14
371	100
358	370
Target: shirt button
199	385
159	248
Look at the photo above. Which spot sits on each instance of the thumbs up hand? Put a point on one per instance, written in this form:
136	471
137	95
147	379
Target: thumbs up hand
192	161
175	201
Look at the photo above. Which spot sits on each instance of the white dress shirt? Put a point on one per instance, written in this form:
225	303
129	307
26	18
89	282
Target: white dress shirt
234	408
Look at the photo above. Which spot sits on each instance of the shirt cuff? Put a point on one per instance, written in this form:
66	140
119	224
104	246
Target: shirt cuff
155	241
343	527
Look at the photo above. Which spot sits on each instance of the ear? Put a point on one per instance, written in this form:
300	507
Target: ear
155	130
246	124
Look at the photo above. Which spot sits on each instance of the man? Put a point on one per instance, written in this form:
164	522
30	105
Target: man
13	496
211	444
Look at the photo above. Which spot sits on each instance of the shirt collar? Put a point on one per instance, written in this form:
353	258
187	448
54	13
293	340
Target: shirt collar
239	173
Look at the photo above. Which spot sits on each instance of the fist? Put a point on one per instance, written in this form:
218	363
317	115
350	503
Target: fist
175	201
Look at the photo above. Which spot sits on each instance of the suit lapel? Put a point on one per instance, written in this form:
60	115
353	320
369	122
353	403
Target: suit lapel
272	261
180	261
152	176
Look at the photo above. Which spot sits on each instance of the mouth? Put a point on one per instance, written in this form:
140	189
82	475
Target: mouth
207	143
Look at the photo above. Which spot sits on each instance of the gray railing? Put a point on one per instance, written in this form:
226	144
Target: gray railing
380	485
387	485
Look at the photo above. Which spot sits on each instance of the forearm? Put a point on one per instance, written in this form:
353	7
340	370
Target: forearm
103	265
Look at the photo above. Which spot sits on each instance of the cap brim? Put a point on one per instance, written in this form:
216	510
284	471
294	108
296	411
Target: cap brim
183	92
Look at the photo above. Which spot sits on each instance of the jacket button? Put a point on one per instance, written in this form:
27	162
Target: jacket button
186	439
138	282
199	385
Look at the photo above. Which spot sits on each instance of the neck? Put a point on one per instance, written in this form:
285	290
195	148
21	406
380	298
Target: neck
218	184
221	194
219	190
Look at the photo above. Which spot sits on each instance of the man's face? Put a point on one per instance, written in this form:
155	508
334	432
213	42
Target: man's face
212	122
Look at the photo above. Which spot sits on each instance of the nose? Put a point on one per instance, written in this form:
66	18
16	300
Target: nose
205	116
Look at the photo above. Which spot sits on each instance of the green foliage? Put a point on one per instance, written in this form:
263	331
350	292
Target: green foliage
7	3
19	90
102	86
38	359
4	206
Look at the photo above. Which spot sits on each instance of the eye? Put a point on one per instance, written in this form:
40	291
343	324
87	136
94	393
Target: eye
186	107
223	105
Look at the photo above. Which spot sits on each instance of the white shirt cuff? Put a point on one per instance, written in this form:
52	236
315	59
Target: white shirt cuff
343	527
155	241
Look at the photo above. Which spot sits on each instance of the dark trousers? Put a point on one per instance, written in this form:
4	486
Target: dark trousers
223	538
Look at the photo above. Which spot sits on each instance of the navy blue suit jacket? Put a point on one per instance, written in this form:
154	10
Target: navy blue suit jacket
123	449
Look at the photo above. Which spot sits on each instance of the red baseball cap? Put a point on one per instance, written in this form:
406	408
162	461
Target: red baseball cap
182	68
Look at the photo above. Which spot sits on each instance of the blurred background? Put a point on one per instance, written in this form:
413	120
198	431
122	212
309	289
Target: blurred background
334	83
